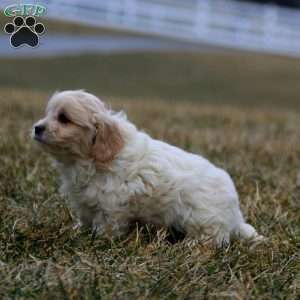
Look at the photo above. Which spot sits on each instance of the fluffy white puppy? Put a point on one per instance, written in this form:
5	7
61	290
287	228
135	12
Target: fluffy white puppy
113	173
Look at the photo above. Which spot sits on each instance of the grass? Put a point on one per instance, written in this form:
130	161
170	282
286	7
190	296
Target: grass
239	79
239	111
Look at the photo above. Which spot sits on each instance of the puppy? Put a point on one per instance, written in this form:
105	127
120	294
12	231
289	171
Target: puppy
112	173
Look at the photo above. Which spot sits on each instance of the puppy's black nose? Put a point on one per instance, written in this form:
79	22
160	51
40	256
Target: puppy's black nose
39	129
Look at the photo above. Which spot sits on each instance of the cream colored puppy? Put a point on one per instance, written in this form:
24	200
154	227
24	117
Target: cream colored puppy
112	173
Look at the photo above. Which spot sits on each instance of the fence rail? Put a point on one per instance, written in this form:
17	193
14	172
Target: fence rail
225	23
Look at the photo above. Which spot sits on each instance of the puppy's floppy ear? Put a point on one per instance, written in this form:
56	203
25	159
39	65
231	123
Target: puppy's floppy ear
107	142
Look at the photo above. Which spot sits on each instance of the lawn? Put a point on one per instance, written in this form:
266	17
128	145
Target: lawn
239	110
239	79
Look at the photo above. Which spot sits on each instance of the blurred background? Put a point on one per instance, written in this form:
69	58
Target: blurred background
216	51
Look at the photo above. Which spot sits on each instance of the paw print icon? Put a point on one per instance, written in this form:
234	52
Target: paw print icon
24	31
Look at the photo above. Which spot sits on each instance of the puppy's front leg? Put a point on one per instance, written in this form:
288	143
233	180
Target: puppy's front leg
81	218
110	226
85	218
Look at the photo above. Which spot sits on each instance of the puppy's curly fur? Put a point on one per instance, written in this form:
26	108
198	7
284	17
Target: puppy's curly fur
113	173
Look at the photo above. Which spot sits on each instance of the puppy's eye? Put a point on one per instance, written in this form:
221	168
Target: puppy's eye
62	118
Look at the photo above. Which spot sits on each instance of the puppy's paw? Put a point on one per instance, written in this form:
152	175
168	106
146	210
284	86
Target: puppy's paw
257	240
96	230
77	226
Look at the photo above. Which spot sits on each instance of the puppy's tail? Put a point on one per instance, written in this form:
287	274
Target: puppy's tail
248	232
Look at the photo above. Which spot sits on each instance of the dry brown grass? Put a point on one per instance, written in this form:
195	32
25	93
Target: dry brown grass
41	257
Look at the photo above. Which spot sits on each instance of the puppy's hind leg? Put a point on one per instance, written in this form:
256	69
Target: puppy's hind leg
243	231
248	232
222	238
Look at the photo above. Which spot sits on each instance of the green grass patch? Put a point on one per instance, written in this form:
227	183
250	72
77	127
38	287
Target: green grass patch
239	79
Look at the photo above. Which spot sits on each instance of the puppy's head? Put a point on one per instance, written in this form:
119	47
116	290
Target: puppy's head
78	126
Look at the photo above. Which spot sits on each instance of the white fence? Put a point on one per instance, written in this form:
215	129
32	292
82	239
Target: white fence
225	23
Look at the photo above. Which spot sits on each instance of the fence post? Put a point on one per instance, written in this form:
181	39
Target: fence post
202	17
270	25
113	12
130	11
